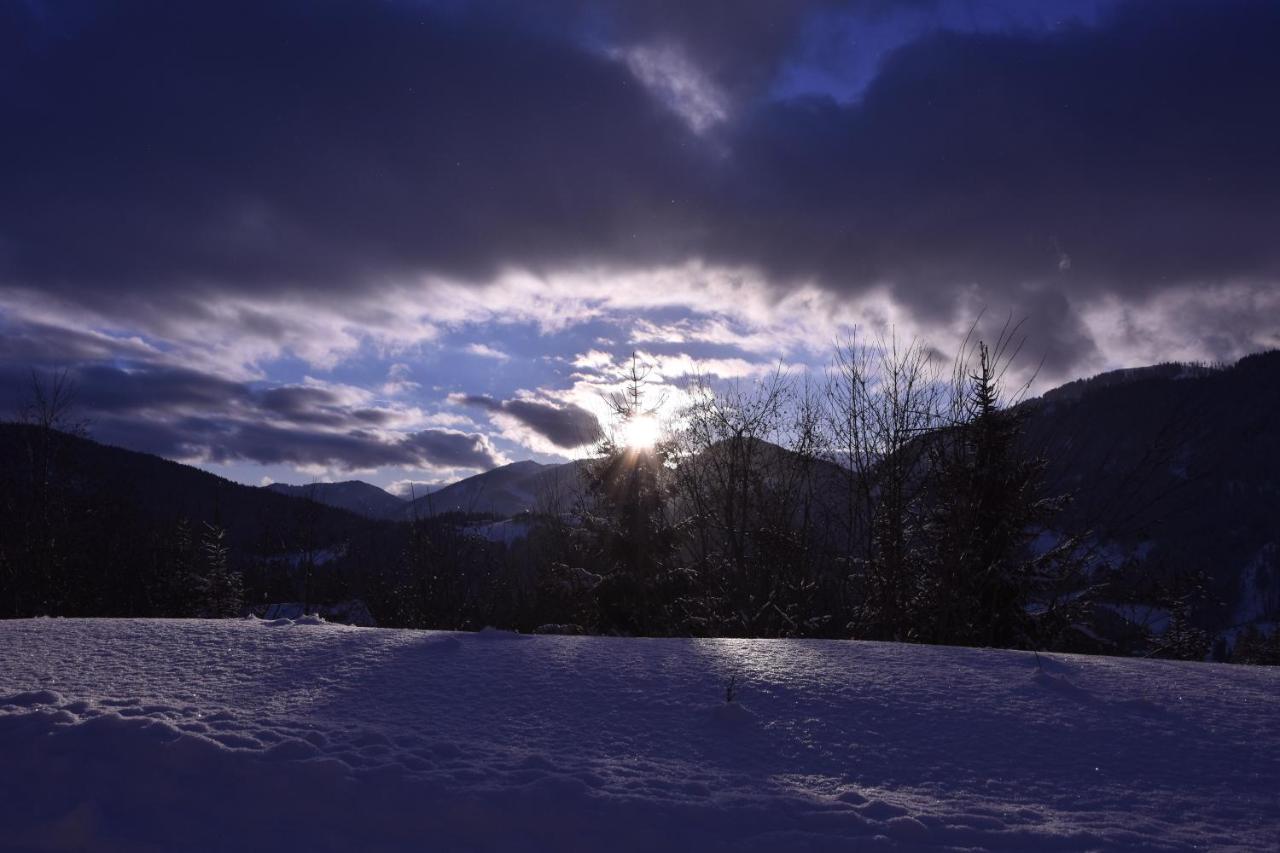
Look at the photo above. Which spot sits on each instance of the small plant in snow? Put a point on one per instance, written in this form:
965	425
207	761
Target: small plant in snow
731	688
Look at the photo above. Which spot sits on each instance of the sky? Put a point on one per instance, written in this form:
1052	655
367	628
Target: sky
405	241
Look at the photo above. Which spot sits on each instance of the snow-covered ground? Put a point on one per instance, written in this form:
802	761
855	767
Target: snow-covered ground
253	735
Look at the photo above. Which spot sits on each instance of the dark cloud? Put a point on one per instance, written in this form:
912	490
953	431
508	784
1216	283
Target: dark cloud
1142	151
462	450
305	405
566	426
239	143
248	146
36	343
227	441
102	388
989	157
266	444
183	413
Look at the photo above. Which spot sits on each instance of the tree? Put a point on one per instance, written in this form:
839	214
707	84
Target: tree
307	527
743	481
624	512
984	504
223	592
35	557
1183	639
883	401
1255	647
185	580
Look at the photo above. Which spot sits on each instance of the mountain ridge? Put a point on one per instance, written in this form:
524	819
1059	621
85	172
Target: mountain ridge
356	496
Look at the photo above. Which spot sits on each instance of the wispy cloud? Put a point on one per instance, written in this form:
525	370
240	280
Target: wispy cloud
486	351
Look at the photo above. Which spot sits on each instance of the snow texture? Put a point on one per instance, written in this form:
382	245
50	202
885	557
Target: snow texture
298	734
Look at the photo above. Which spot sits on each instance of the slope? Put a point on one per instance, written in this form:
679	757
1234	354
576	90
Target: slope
160	488
1175	469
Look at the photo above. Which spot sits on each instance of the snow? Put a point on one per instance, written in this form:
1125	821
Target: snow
350	612
247	734
318	557
507	530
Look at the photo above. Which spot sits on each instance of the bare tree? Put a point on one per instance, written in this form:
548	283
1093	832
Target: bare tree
883	398
744	486
51	403
34	558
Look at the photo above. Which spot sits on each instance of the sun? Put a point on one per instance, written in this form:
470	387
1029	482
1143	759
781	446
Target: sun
640	432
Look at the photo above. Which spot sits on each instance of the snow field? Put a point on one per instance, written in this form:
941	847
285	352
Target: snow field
246	734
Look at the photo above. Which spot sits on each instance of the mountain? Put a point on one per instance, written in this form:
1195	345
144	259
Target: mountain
1176	471
506	491
1078	388
92	530
352	495
108	479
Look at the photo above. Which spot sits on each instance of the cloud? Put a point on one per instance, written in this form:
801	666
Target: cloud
566	426
677	82
453	449
224	441
975	163
593	360
410	489
106	389
189	415
738	47
220	186
486	351
41	343
398	382
338	146
354	450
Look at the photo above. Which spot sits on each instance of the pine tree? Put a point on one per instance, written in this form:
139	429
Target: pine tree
222	588
186	583
985	501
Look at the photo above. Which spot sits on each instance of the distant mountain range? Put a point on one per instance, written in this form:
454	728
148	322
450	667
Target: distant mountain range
502	492
352	495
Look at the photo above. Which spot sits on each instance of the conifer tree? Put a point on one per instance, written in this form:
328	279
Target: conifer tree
223	588
186	583
985	502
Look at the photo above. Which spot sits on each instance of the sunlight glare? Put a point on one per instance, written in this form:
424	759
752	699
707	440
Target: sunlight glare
640	432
